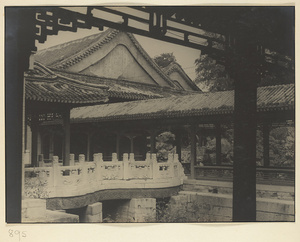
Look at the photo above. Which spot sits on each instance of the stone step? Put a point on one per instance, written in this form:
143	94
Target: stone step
53	217
34	211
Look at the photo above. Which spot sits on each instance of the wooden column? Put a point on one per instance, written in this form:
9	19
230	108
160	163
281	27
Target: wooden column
34	138
88	146
218	145
131	144
266	144
193	130
244	165
20	41
152	141
51	145
66	127
178	137
118	146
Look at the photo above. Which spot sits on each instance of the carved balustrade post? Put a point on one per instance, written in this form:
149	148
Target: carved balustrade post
149	162
155	166
114	157
98	158
126	170
170	165
72	160
55	171
81	159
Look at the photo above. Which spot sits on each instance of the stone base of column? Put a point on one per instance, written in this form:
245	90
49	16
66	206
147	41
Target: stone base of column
137	210
93	213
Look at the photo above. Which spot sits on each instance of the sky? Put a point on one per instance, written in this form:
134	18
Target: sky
185	56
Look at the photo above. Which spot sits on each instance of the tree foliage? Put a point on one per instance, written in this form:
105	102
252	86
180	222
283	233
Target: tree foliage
164	59
165	143
214	77
211	76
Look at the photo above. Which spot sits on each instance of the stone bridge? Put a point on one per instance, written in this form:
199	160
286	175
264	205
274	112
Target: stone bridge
83	183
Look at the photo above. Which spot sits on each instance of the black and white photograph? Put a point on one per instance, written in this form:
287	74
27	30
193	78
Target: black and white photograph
149	114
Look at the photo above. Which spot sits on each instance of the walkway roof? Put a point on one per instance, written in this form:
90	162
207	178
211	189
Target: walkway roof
269	98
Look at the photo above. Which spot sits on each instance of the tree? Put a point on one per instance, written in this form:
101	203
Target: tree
211	76
164	59
214	77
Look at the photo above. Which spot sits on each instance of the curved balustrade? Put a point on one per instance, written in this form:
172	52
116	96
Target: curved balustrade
80	178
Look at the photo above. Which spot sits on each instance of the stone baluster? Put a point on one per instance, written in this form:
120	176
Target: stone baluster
126	170
72	160
41	160
114	157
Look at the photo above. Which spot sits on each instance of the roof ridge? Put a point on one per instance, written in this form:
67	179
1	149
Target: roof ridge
175	64
179	106
77	57
67	43
131	83
149	59
278	85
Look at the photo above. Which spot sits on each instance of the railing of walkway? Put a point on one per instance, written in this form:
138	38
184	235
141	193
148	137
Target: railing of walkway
54	180
264	175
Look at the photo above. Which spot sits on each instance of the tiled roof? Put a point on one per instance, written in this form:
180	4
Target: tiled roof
175	67
65	55
50	85
271	98
52	88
